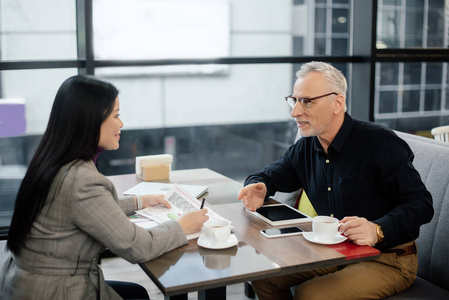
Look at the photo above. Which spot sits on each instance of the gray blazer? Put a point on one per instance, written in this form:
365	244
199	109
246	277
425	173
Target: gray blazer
81	218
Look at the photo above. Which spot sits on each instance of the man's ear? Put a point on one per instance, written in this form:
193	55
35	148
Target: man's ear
339	104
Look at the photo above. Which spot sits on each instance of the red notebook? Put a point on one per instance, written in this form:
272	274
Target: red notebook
352	251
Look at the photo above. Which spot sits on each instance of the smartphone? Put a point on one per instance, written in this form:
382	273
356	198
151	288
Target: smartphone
279	232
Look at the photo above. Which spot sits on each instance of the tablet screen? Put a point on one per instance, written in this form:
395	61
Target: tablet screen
279	213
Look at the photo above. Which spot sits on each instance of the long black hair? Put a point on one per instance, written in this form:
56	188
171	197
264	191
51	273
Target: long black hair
81	105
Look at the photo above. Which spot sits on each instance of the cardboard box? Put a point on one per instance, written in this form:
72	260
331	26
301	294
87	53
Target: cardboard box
155	173
154	167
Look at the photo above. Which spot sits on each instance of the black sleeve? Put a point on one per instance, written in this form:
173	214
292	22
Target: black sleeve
279	175
401	183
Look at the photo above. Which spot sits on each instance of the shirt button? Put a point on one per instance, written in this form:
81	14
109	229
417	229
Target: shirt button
329	189
327	161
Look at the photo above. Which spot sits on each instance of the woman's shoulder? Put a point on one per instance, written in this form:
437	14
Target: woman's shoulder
82	172
78	166
80	179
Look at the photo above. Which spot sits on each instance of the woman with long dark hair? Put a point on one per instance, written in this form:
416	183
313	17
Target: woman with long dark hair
66	212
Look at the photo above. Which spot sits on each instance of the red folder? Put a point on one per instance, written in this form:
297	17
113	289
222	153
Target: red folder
352	251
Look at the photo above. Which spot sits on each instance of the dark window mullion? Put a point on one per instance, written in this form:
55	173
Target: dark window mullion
84	32
412	55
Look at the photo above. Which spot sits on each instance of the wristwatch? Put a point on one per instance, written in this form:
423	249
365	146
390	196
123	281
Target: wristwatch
380	234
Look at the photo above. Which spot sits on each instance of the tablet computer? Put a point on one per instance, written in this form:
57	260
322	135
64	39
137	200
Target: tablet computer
280	214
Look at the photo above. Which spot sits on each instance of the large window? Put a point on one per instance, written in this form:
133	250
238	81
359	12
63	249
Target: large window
37	30
332	28
205	80
141	29
412	96
412	23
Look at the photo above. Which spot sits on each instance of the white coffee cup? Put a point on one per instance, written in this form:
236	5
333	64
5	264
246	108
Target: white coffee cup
217	231
325	228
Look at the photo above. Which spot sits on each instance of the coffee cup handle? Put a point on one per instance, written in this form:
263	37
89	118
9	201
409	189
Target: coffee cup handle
338	229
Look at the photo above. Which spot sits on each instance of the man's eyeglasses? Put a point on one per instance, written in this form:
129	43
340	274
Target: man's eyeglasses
291	101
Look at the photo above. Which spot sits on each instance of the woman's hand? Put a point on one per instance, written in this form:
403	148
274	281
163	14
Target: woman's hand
193	221
152	200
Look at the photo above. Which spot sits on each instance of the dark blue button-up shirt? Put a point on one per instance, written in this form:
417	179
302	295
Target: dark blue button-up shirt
367	172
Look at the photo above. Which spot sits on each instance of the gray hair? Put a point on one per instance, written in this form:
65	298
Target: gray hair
334	78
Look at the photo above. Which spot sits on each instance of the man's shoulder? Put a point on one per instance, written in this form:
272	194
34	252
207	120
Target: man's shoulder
373	130
378	136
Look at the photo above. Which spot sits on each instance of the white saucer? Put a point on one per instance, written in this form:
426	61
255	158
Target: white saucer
312	238
203	241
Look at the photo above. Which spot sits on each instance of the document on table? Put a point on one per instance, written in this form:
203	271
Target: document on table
142	221
181	201
145	188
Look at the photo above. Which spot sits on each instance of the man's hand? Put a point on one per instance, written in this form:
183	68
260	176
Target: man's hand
359	230
253	195
152	200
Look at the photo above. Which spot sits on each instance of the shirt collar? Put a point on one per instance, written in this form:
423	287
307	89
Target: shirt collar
343	133
340	138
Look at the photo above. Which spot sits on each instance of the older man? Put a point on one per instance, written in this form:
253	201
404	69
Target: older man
357	171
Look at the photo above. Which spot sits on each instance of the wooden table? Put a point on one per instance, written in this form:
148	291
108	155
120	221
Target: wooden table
193	268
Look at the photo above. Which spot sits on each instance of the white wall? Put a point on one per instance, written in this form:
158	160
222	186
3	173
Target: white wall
247	94
38	29
38	88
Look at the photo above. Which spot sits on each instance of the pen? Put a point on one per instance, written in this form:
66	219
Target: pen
202	203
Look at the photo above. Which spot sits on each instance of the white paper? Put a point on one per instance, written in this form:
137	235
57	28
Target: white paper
145	188
181	201
143	221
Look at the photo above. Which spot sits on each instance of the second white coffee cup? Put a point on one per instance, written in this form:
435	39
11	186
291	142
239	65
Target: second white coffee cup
217	231
325	228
